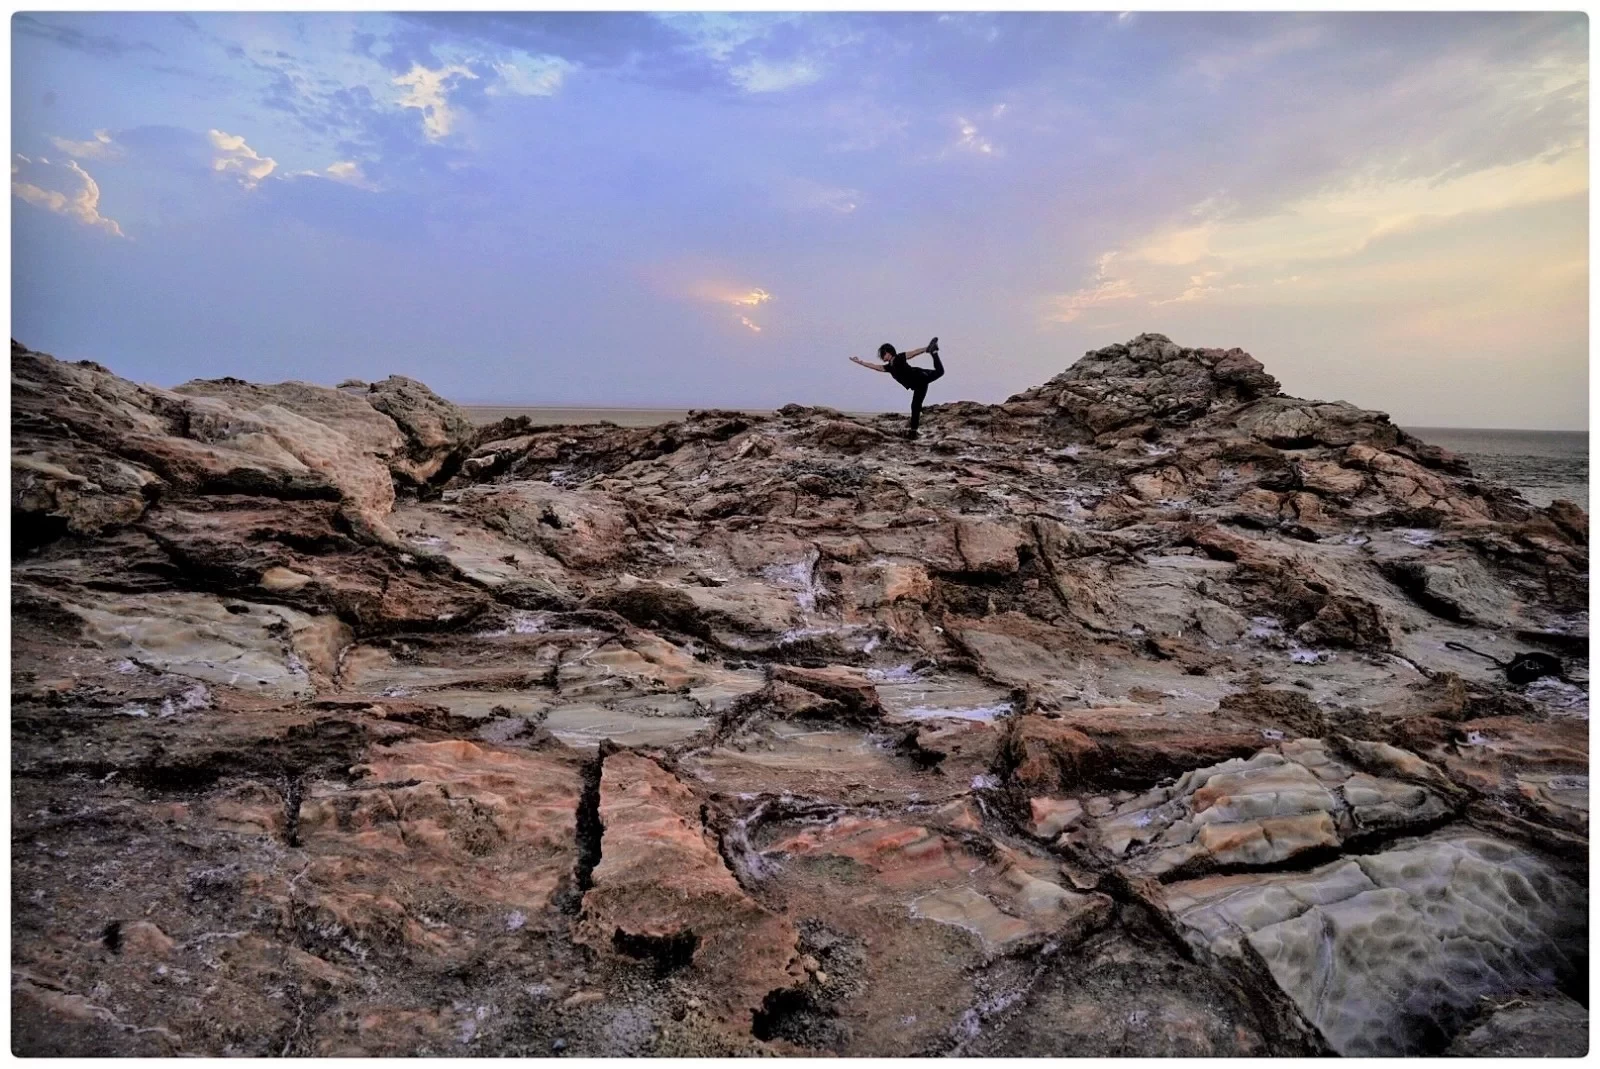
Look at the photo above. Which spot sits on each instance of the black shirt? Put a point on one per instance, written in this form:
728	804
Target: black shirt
903	373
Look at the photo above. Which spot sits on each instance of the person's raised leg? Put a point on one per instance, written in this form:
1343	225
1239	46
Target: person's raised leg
938	366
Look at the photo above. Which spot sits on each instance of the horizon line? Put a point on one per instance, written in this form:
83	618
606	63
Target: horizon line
886	411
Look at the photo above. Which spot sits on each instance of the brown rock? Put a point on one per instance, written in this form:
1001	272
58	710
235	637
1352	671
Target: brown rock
852	690
662	894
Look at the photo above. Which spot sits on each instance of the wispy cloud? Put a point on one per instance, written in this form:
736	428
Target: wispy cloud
530	76
767	76
1107	287
739	299
232	155
1222	63
805	195
751	299
1322	246
100	147
83	204
426	91
347	172
971	139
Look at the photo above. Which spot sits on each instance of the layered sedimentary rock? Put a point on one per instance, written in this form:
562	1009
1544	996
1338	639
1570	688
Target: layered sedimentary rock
1138	714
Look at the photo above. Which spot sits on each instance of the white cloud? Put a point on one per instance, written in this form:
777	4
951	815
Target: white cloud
348	172
744	320
530	76
762	76
100	148
82	205
972	140
233	155
427	89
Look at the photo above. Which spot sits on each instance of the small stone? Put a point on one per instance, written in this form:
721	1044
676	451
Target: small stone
820	977
283	580
810	964
143	939
558	1045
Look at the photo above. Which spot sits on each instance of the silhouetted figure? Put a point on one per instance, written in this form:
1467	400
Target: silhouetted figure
915	379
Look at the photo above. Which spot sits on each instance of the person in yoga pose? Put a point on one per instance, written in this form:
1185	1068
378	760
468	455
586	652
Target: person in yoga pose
915	379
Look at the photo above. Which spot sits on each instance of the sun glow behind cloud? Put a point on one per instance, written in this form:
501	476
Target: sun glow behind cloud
736	298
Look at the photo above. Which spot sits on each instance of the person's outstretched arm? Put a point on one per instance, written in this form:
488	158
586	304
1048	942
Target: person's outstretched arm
868	365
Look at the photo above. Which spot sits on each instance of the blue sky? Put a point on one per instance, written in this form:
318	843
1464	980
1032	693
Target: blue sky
694	210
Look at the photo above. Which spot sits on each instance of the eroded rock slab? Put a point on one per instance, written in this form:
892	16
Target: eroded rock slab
1387	953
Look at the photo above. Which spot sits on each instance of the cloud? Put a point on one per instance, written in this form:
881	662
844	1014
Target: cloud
1106	288
347	172
427	89
1217	66
232	154
972	140
750	299
736	298
766	76
803	194
1325	246
67	36
101	148
719	35
82	204
530	76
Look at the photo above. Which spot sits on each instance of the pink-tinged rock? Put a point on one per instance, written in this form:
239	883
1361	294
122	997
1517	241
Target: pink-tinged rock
662	892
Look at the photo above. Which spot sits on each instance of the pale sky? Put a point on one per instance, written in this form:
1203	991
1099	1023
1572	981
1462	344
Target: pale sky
693	210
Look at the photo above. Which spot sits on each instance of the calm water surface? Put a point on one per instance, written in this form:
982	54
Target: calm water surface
1543	465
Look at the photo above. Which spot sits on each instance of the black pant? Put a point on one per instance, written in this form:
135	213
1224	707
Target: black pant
920	390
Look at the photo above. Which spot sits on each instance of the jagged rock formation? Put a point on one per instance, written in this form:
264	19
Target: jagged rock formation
1118	718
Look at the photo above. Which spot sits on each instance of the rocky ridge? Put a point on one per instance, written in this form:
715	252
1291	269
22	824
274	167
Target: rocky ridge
1138	714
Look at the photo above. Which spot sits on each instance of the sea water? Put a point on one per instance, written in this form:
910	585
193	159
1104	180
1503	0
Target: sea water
1541	465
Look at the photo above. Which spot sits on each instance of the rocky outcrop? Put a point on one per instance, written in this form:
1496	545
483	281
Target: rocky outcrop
99	448
1151	712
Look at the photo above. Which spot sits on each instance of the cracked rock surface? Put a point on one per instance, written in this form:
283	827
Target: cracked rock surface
1130	716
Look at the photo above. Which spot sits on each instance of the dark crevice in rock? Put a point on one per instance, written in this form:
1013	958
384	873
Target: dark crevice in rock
292	787
590	831
669	953
1278	1019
